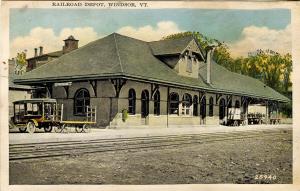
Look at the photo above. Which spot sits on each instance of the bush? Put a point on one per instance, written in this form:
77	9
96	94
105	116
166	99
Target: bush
287	109
124	115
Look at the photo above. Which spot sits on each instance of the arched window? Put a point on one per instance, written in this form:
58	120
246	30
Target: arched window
144	103
186	104
81	101
211	106
174	103
156	103
237	104
222	109
245	107
203	107
230	104
131	101
195	105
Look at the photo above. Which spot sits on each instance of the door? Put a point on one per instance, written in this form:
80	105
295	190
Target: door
222	109
203	110
145	104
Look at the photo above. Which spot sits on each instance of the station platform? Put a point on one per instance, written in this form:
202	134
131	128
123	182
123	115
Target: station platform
40	136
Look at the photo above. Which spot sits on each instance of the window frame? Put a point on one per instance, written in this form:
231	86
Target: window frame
187	105
203	107
173	102
211	107
131	101
156	103
195	105
237	104
189	64
145	100
222	103
85	99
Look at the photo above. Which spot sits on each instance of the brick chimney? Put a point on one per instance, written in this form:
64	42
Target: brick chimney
41	51
70	44
209	57
35	52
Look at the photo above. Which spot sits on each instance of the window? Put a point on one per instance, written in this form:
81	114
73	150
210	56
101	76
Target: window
195	106
230	104
81	101
19	109
211	106
174	103
245	107
189	61
33	108
203	107
222	109
157	103
189	64
145	103
237	104
186	104
131	101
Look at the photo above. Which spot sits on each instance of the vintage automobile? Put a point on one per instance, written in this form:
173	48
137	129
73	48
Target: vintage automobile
47	113
34	113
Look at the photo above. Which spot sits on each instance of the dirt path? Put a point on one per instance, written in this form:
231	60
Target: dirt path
235	161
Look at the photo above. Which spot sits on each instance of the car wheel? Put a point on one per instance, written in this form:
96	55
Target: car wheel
48	128
23	129
86	128
31	127
59	128
79	129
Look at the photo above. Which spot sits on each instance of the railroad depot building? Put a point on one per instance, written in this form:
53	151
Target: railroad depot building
159	84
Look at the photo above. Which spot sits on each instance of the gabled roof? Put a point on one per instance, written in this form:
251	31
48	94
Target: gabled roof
110	56
55	54
120	56
50	54
167	47
174	46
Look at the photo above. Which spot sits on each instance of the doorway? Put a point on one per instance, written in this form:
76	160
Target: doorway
222	109
145	103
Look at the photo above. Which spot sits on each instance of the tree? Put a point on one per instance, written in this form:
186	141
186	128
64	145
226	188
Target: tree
21	63
202	40
268	66
221	54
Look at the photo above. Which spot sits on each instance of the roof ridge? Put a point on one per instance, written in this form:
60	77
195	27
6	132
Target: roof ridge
117	50
163	40
129	37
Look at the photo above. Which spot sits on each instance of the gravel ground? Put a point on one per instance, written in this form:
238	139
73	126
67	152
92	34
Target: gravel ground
256	161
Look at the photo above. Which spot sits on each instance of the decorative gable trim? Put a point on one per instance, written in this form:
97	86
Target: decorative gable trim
194	47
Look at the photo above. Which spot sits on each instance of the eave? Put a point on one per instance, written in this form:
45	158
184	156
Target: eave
42	81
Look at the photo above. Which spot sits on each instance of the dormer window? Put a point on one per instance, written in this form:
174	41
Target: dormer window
189	62
189	65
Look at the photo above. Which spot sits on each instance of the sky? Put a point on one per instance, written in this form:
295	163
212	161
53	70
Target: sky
242	30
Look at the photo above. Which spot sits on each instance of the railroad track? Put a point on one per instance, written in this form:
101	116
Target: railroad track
56	149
